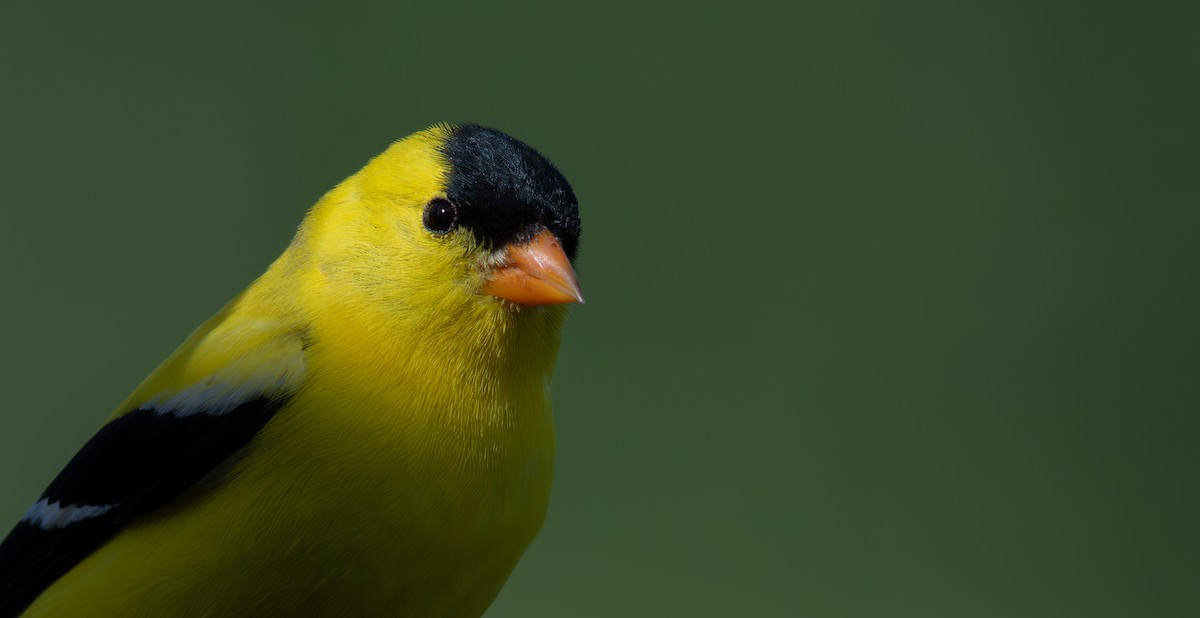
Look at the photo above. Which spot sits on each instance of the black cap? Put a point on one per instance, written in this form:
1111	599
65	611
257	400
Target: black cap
506	191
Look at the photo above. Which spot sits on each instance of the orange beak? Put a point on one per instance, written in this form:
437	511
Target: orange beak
535	273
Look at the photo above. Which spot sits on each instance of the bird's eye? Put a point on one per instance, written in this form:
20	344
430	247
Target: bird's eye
440	216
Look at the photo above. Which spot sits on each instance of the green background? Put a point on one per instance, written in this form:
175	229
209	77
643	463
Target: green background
892	307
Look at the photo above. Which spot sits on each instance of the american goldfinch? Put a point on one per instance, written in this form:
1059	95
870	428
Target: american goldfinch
364	431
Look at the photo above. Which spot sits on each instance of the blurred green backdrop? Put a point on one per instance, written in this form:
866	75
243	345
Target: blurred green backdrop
892	307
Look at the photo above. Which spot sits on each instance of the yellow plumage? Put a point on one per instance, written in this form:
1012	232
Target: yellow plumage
411	463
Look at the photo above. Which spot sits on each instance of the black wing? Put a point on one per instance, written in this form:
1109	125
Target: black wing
135	463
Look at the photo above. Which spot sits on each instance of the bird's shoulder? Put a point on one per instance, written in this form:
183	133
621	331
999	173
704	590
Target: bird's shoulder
238	354
204	404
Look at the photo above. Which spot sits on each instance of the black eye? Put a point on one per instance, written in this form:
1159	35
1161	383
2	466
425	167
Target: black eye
440	216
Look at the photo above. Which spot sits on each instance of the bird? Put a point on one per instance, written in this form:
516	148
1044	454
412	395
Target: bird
365	430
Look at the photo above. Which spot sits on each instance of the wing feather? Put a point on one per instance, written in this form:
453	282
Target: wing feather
172	432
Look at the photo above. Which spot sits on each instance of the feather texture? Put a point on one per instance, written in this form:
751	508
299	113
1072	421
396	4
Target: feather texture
360	432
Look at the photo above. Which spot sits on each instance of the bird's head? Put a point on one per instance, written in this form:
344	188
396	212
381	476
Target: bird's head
453	219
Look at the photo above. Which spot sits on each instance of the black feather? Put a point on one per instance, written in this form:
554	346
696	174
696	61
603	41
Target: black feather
506	190
138	462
